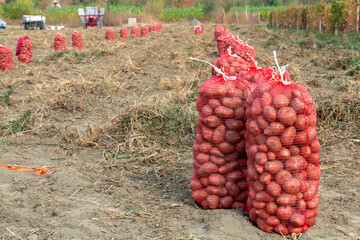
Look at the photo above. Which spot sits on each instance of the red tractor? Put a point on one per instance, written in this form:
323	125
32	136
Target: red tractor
93	16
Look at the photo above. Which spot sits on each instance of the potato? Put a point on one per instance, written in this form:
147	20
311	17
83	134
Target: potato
206	111
313	203
301	122
287	116
263	148
213	201
294	150
206	169
301	205
251	152
294	163
205	147
219	191
232	188
216	152
304	185
272	221
273	167
298	105
310	222
215	91
281	229
265	178
258	205
260	139
195	184
275	128
234	124
284	212
313	158
232	157
311	213
305	151
282	176
297	219
315	146
263	225
234	93
280	101
252	174
258	186
256	108
240	147
242	185
229	167
311	191
261	158
205	181
212	121
239	113
217	179
218	161
271	208
235	176
232	136
263	124
273	189
266	99
214	103
274	144
269	113
202	158
252	214
207	133
286	199
283	154
226	202
199	195
254	128
288	136
271	156
218	134
313	172
231	102
291	185
263	197
262	213
226	147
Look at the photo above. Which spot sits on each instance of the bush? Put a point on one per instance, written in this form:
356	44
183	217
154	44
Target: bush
176	14
16	9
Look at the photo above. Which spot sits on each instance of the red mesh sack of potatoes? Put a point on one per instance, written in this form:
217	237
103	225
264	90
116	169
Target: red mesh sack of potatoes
224	41
243	50
134	31
198	29
151	28
24	50
283	157
59	42
6	59
231	64
143	31
220	30
219	156
124	33
77	40
110	35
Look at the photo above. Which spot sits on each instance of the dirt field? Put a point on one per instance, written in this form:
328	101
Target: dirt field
115	125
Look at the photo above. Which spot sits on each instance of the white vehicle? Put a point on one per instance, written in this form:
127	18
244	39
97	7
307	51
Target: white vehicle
33	21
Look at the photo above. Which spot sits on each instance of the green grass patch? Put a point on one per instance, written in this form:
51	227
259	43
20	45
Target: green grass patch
24	122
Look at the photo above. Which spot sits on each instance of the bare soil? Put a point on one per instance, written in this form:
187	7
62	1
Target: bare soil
115	125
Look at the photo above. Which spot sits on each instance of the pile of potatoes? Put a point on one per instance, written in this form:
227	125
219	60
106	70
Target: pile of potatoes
134	31
143	31
110	35
124	33
25	54
59	42
77	40
6	59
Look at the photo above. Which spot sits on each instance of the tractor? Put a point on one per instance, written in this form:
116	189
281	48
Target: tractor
93	16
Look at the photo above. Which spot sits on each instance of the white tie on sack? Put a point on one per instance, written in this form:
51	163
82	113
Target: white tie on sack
216	70
281	69
232	54
197	26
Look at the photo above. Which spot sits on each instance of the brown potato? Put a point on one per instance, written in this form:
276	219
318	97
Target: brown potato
287	116
269	113
215	91
280	101
275	128
224	112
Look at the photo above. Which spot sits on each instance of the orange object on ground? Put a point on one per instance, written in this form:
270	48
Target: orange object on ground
39	171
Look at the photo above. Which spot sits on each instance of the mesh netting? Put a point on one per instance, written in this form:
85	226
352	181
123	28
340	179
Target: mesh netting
124	33
6	59
25	55
134	31
219	150
110	35
283	157
143	31
77	40
238	47
219	30
198	29
59	42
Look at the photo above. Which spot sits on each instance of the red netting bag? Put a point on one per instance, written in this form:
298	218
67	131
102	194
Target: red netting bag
110	35
283	156
124	33
219	149
59	42
143	31
151	28
6	59
77	40
198	29
238	47
219	30
24	50
134	31
231	64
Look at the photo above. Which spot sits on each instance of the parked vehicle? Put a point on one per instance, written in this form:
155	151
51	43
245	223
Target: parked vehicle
33	22
93	16
2	24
